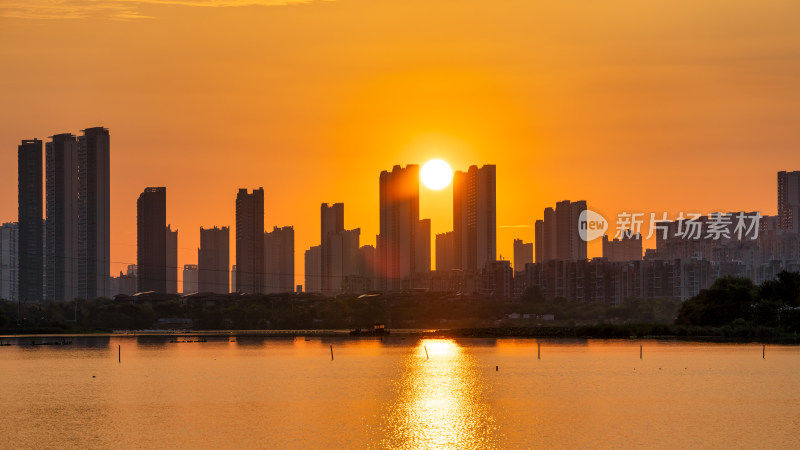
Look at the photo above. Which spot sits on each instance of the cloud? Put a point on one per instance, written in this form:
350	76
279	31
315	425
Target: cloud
114	9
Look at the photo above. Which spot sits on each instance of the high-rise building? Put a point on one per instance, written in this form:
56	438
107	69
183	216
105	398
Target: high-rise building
279	260
627	248
569	245
94	221
523	254
558	236
538	237
313	269
125	283
190	278
250	241
30	276
62	192
399	222
9	263
475	217
338	247
789	200
172	260
233	279
445	251
422	253
213	259
151	240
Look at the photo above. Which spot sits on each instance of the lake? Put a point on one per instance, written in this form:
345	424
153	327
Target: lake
395	393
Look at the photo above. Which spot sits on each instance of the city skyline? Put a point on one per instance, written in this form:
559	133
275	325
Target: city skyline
581	110
787	194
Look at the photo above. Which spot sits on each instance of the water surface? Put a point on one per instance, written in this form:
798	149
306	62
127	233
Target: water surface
396	393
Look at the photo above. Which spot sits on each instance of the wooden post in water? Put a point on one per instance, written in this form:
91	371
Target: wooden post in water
764	352
640	351
119	353
426	353
538	350
496	368
331	352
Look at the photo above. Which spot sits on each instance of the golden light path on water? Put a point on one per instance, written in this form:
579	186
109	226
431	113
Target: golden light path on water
440	401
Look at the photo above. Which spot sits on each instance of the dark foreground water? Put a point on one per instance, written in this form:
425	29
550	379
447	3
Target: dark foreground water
287	393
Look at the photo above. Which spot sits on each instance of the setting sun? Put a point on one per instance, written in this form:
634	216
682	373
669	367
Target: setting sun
436	174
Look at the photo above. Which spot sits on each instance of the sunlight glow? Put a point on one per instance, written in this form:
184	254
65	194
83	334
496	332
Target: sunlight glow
436	174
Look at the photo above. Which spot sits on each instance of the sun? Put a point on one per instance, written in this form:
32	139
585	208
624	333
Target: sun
436	174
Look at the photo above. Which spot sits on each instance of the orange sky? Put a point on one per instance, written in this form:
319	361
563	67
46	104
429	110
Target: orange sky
630	105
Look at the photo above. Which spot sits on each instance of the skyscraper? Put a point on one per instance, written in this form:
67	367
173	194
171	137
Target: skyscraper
339	248
30	273
422	253
789	200
9	263
445	251
62	192
250	241
213	259
94	205
523	254
151	240
279	260
190	278
558	236
475	217
399	217
313	272
172	260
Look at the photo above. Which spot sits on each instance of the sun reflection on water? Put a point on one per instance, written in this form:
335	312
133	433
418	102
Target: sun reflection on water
439	401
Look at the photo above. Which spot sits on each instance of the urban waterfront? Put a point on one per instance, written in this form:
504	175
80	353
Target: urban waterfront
399	392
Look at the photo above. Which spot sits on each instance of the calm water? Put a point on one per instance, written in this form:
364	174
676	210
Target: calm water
287	393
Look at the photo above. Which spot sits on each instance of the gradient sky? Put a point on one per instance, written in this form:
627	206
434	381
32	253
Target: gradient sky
633	106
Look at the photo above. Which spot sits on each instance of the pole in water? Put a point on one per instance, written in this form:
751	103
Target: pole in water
426	353
331	352
496	368
538	350
764	352
119	353
640	351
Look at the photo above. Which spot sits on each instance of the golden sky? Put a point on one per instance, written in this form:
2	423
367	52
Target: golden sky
633	106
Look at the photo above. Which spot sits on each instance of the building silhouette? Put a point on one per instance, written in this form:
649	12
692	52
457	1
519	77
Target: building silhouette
125	283
94	221
422	254
558	236
30	275
445	251
475	217
172	260
9	263
523	254
313	269
789	201
250	241
213	259
190	278
627	248
397	242
62	191
339	252
151	240
279	260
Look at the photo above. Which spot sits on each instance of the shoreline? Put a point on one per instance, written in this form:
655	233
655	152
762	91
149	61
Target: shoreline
586	332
